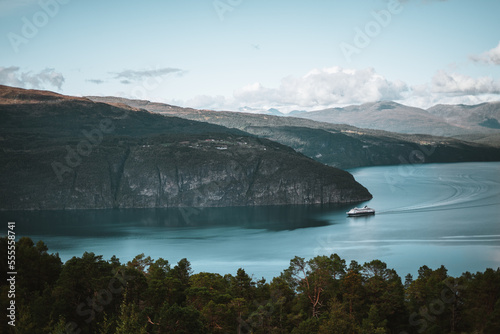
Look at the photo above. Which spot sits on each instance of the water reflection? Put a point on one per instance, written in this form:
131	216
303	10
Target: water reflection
106	223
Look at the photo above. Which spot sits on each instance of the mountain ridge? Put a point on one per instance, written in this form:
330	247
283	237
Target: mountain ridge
64	153
395	117
439	120
338	145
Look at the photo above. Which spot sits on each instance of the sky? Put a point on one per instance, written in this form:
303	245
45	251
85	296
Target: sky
256	54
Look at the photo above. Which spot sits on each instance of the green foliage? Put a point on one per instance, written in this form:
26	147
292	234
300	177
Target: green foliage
59	327
338	320
321	295
182	320
481	301
130	320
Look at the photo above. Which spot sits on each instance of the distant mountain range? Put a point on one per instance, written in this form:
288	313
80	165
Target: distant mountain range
479	123
336	145
440	120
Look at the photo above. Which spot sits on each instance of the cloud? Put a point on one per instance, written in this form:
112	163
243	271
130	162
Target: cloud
132	75
452	88
95	81
12	76
489	57
458	84
323	88
336	86
207	102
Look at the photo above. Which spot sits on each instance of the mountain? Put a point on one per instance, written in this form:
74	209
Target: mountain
336	145
388	116
479	123
274	112
62	152
270	111
482	117
295	112
481	120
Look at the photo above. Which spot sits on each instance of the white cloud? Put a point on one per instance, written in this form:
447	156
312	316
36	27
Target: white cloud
207	102
430	99
452	88
95	81
13	76
335	86
458	84
323	88
134	75
489	57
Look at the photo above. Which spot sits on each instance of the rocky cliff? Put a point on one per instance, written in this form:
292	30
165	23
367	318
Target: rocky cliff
60	152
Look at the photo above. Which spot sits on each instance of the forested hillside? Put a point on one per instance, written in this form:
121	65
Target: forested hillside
89	294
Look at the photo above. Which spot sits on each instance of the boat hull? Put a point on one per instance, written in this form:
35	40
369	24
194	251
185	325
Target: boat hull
357	214
365	211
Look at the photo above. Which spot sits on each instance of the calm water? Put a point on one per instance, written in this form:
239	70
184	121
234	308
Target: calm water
427	214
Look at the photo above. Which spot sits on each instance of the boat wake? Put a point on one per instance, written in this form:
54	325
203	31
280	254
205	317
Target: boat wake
431	208
461	191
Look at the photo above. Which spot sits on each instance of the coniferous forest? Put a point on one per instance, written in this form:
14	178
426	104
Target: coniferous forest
89	294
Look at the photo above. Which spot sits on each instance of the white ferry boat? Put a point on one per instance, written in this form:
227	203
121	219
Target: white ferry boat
361	211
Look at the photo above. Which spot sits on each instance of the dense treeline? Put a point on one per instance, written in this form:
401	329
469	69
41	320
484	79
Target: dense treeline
322	295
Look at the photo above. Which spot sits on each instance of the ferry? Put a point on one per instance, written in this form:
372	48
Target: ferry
365	211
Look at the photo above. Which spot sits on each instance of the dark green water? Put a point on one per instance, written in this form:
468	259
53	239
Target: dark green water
427	214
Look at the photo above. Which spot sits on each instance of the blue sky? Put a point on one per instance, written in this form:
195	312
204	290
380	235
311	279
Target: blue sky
231	54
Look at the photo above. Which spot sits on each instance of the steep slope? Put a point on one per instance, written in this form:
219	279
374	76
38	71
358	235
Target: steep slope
337	145
60	152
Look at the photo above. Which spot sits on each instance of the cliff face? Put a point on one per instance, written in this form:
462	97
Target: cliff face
63	153
256	175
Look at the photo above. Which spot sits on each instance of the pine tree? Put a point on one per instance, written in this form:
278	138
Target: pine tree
129	320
